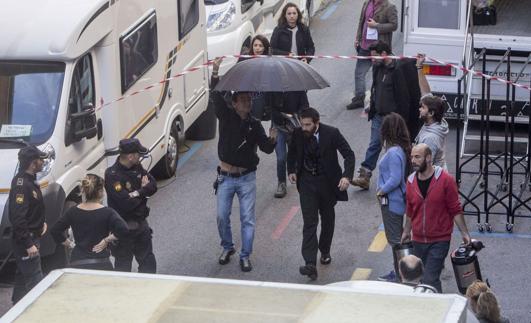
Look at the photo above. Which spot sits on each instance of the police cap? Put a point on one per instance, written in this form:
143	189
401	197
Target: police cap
132	145
30	153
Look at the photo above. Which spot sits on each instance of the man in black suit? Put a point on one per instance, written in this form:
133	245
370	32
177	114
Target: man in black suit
314	167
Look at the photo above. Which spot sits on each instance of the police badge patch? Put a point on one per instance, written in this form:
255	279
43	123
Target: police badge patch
19	199
117	186
20	181
128	186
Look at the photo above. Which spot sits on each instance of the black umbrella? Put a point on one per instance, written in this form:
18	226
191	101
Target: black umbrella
271	74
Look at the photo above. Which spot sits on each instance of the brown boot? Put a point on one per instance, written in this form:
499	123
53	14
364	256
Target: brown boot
363	180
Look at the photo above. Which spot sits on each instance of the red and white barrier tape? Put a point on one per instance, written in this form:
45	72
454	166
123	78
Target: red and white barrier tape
351	57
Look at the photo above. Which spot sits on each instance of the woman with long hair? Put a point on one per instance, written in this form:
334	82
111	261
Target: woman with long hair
484	304
393	170
94	227
291	37
260	100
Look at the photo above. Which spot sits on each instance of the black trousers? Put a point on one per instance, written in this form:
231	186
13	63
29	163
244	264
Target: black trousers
316	199
29	271
137	244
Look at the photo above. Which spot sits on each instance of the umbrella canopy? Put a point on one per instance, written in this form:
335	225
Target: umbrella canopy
271	74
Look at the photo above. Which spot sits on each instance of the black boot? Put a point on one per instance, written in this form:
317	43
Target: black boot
358	102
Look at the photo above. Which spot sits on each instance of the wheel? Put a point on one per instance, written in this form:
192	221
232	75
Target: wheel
167	166
60	257
480	227
509	227
488	227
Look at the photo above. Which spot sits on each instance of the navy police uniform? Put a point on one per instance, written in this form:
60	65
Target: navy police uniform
26	214
120	181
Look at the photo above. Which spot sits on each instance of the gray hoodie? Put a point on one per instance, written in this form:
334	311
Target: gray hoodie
434	135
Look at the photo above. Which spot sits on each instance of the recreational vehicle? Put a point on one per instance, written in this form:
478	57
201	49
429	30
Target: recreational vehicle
73	79
492	37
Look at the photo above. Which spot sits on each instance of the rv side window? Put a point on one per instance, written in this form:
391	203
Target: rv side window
439	14
138	51
82	88
188	16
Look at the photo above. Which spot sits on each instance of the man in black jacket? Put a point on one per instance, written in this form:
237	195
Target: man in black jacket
26	214
314	167
240	134
128	185
389	93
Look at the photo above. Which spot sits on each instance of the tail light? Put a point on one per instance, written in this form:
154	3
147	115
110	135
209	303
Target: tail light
438	70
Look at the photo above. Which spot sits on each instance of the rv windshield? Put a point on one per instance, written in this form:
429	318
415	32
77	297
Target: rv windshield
29	100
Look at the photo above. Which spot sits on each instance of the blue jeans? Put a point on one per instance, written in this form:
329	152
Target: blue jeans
362	67
282	154
245	188
432	256
375	146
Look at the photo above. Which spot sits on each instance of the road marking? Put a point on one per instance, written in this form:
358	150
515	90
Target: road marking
284	223
328	12
378	243
187	155
361	274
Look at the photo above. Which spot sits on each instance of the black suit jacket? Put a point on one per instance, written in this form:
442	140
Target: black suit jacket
330	142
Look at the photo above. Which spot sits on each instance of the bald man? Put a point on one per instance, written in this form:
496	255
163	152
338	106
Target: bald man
432	207
411	269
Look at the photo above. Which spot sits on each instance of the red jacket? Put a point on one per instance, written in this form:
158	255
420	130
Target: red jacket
432	218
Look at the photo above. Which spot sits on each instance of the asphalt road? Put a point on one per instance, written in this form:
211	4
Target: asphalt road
183	213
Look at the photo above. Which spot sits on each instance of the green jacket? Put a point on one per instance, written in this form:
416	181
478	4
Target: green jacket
387	18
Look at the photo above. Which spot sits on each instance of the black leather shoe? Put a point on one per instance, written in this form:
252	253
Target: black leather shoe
326	259
309	270
224	258
245	265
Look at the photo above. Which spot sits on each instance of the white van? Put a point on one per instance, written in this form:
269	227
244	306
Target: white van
61	61
455	31
231	24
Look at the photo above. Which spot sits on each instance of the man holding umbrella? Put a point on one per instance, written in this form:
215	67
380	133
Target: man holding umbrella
239	136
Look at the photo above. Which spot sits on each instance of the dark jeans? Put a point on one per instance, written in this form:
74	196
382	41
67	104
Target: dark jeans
29	271
316	198
432	256
281	151
375	146
137	244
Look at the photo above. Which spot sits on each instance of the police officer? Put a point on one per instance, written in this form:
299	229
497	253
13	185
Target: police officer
26	214
128	186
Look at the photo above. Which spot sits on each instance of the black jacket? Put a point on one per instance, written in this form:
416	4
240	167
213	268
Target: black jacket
281	41
330	142
26	209
120	181
238	139
410	72
400	92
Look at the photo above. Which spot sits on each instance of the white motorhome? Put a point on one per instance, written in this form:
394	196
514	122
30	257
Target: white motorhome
451	31
231	24
61	61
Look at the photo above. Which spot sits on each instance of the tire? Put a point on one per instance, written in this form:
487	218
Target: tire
167	166
58	259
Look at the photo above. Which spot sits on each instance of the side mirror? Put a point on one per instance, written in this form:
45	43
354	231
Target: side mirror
82	125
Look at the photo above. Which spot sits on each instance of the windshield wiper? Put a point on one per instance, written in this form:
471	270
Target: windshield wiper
20	142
